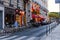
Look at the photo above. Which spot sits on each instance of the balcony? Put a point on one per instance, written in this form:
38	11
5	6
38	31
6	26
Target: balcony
1	2
11	5
26	1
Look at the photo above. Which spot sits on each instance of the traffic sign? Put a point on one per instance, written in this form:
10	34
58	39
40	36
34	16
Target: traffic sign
57	1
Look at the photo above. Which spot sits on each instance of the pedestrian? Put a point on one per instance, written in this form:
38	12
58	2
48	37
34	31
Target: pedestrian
16	24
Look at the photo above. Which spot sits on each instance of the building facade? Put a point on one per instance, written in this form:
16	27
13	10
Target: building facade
43	7
24	7
28	12
10	15
9	10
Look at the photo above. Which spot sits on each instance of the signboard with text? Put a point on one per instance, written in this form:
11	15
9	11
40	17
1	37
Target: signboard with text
57	1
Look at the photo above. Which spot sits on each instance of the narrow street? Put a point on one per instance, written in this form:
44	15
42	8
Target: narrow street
33	33
29	34
29	19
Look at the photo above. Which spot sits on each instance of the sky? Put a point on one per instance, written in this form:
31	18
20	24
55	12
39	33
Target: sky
52	6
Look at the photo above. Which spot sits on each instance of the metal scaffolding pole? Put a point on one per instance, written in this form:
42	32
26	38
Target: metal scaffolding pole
59	8
59	12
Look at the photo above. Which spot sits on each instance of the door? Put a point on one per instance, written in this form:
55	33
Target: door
1	20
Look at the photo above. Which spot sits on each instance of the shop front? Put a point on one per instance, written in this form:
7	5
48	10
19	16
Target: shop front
35	10
9	17
12	16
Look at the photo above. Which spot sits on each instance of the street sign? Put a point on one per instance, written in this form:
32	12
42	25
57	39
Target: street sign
57	1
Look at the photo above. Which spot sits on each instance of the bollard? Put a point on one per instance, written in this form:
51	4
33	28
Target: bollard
49	29
53	25
46	30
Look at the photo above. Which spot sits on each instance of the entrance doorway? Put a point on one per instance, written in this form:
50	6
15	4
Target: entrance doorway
1	19
9	18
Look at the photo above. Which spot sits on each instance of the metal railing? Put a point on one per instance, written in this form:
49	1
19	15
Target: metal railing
47	29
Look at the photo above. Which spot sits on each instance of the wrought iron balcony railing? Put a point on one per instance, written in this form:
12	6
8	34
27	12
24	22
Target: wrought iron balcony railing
1	2
11	5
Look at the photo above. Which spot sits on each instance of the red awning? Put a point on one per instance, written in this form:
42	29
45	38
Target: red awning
41	16
34	16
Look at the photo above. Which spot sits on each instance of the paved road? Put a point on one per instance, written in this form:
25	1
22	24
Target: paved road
28	34
54	35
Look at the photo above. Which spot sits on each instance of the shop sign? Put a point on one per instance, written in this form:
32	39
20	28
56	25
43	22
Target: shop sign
9	10
57	1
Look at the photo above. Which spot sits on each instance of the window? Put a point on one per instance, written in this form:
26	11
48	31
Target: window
11	3
18	1
1	2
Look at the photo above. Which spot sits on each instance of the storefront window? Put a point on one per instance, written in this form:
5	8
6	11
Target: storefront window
9	16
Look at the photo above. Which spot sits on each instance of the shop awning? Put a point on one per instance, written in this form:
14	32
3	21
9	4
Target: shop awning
41	16
34	16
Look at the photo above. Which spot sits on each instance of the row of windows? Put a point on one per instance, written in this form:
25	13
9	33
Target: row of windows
44	2
14	3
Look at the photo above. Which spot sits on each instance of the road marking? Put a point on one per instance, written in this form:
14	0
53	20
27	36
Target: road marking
4	36
20	38
35	35
32	38
9	38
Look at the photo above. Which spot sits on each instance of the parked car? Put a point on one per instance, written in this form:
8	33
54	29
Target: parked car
45	22
34	24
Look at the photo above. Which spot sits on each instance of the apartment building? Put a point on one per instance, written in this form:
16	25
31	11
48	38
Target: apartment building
28	12
40	7
10	6
43	7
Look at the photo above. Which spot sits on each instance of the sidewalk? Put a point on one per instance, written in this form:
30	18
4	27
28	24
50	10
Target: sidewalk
54	35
